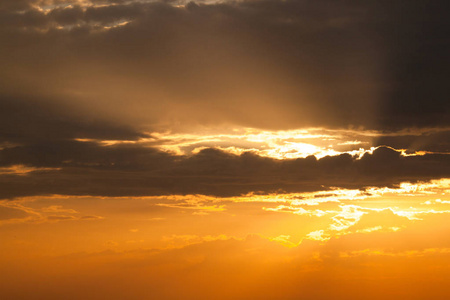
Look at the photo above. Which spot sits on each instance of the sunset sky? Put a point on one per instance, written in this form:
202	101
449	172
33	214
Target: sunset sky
249	149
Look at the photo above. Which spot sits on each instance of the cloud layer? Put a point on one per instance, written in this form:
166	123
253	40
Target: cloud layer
85	168
271	64
114	70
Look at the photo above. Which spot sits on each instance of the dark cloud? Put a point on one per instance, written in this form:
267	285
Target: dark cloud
431	141
271	64
418	60
14	5
84	72
30	119
88	169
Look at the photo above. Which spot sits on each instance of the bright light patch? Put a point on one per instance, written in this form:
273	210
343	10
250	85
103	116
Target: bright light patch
23	170
288	144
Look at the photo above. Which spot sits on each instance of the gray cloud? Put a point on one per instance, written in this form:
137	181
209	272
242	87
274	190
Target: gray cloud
271	64
31	120
433	142
87	169
84	72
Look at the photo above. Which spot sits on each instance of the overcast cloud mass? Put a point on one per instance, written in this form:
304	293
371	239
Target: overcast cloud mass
117	70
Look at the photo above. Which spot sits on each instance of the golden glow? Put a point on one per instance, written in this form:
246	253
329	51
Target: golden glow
338	209
23	170
317	235
159	237
285	144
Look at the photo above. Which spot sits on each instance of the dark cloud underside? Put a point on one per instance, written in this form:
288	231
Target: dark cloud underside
87	169
272	64
30	119
112	72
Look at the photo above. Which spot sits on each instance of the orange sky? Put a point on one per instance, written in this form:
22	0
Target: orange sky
392	243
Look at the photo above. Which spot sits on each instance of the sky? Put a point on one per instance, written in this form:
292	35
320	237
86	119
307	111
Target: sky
251	149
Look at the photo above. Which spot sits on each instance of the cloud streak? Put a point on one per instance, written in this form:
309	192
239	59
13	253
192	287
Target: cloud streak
85	168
